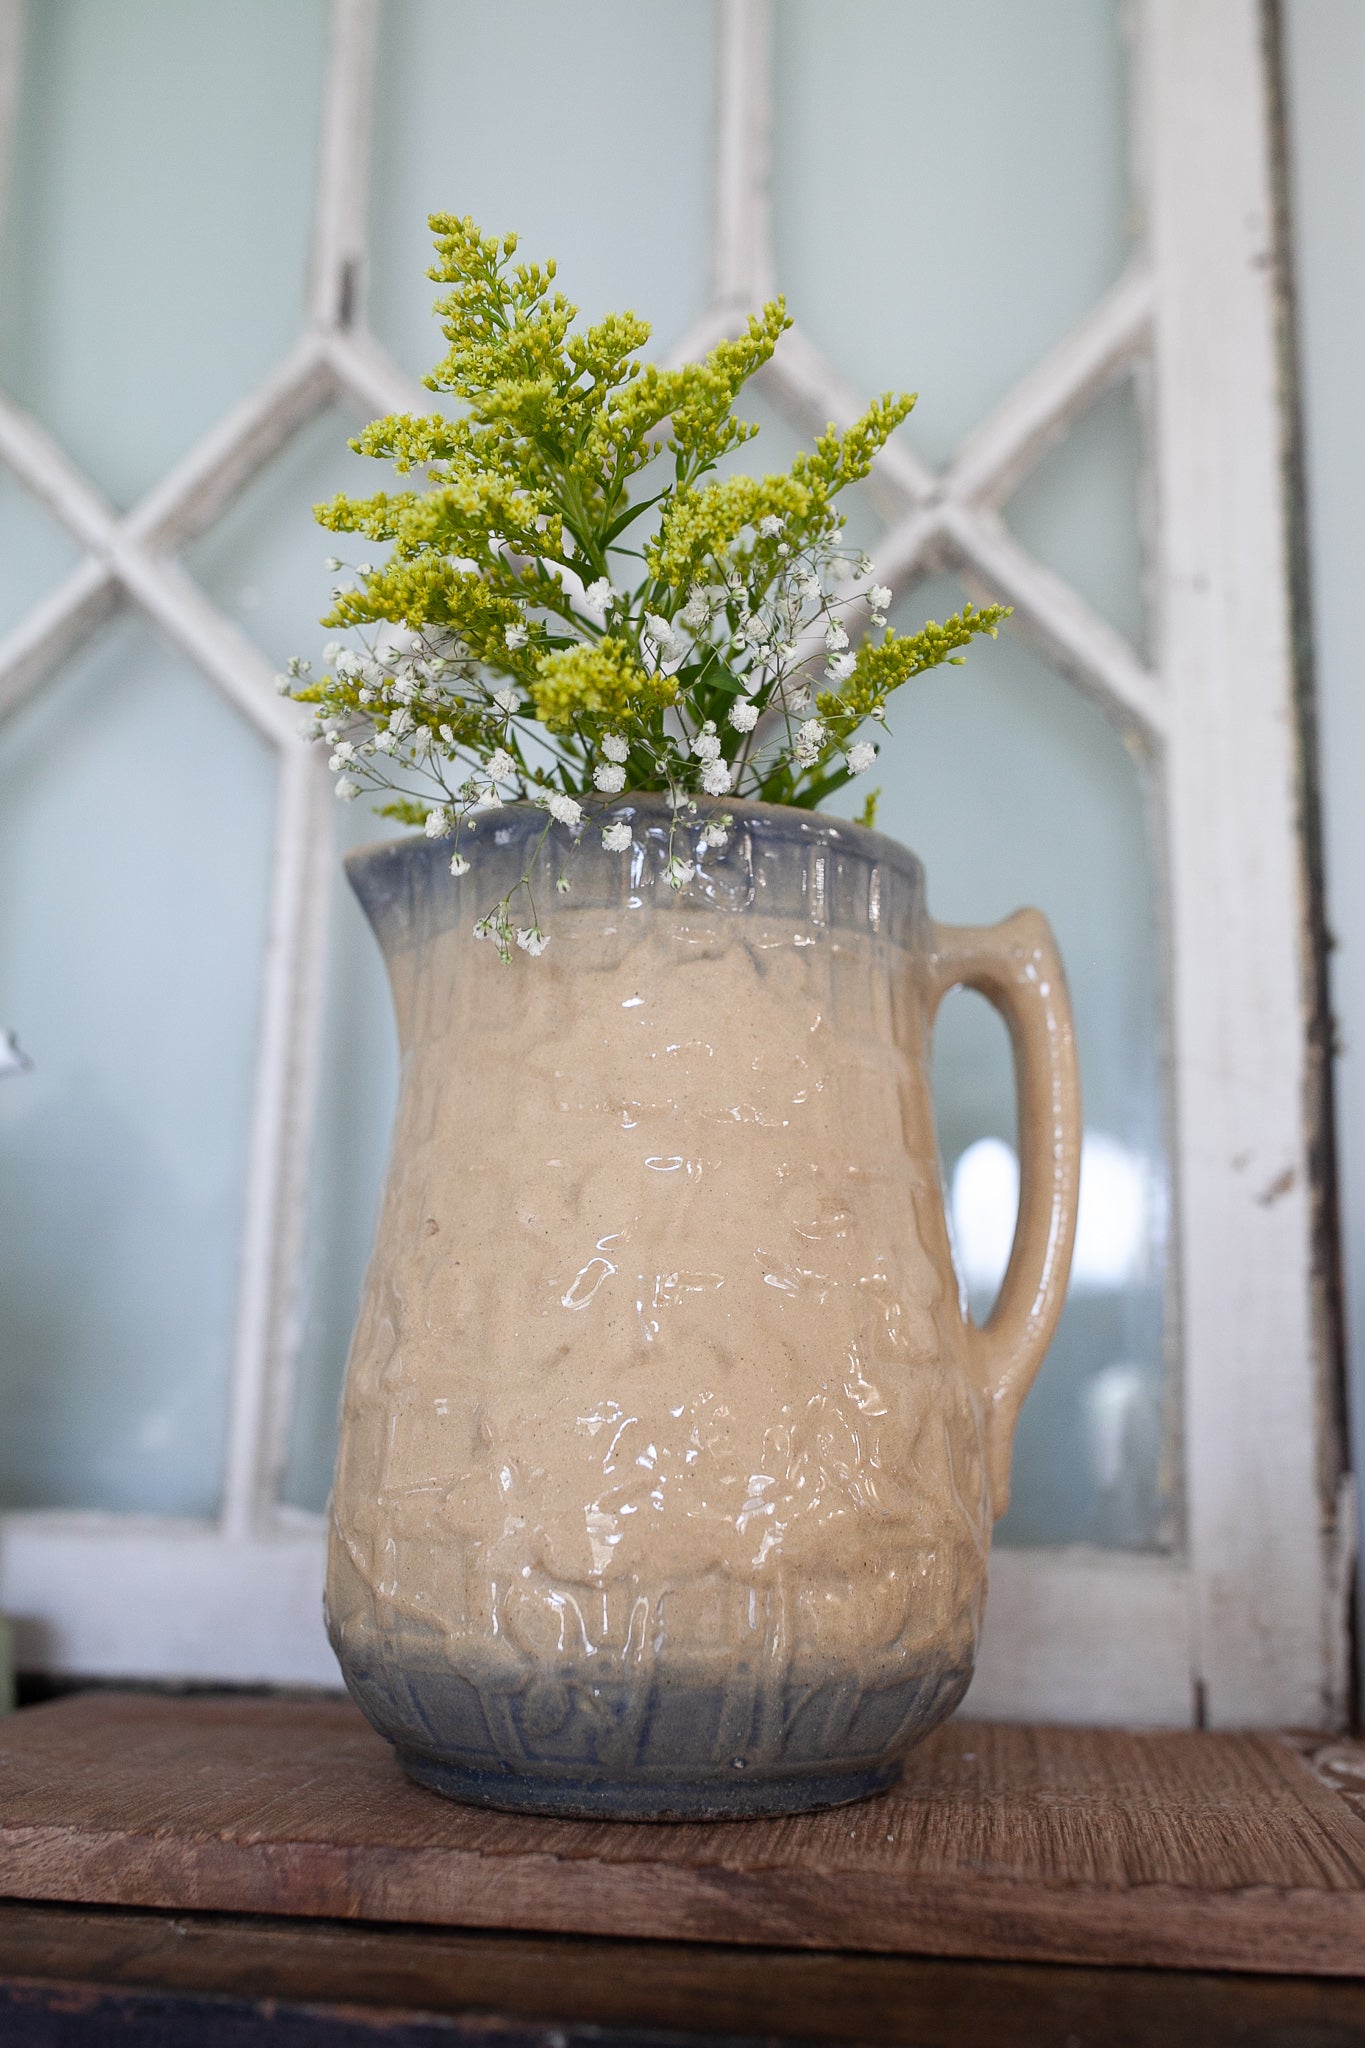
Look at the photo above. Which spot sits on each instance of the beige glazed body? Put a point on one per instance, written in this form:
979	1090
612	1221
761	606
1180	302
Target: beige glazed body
669	1454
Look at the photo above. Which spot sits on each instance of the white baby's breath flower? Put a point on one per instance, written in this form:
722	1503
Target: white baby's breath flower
861	757
879	597
531	939
616	838
696	611
810	738
500	767
609	777
669	643
718	830
601	595
438	823
331	652
836	639
841	668
744	714
715	778
706	746
347	791
506	700
343	756
679	872
387	742
515	636
564	809
770	527
615	747
458	864
332	563
562	885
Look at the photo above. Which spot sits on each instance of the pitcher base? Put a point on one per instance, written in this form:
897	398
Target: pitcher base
709	1798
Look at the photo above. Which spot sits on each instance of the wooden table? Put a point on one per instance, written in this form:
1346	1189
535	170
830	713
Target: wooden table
224	1865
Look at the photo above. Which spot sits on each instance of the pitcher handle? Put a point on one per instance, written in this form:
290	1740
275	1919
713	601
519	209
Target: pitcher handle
1016	966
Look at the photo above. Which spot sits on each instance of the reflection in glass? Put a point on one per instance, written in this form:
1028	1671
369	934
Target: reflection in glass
157	233
136	810
587	129
1117	1231
952	197
1014	788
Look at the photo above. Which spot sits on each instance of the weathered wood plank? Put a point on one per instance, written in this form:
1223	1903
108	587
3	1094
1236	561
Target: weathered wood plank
79	1961
1097	1846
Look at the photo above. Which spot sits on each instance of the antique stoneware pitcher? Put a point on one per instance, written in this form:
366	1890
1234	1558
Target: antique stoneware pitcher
669	1451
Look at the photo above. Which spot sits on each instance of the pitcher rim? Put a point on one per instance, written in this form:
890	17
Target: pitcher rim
792	822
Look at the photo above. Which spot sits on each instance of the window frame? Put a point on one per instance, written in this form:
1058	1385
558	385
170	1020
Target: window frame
1245	1622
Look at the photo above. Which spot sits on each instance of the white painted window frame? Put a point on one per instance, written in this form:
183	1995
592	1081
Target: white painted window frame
1246	1621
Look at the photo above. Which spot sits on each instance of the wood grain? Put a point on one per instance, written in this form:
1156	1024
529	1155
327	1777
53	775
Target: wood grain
1179	1849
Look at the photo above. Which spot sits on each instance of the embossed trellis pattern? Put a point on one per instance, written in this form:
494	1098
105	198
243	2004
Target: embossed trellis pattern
1221	630
690	1471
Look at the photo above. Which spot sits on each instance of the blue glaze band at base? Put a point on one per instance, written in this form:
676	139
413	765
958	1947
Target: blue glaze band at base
659	1747
709	1798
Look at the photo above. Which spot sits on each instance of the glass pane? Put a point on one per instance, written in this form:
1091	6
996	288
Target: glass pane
136	814
36	549
264	564
264	561
951	194
1079	511
587	129
996	773
158	221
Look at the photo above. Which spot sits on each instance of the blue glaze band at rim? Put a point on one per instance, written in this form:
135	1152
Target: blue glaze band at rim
523	1790
778	862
